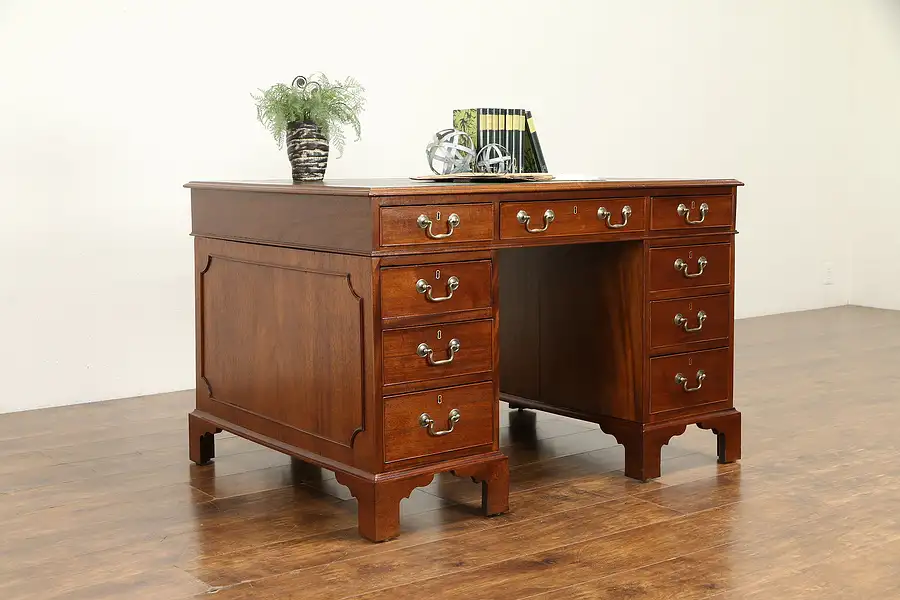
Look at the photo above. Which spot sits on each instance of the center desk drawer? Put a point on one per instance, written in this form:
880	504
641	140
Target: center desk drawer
435	288
690	380
436	224
570	217
436	351
690	266
437	421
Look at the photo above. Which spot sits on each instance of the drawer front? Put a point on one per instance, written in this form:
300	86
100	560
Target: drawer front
570	217
690	380
421	353
414	423
686	267
687	320
436	224
691	212
435	288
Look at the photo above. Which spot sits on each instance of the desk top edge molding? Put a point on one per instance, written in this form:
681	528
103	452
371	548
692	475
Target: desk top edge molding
403	187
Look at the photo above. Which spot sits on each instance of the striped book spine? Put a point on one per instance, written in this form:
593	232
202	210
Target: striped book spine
540	164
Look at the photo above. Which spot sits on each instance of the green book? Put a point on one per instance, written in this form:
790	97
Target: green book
512	128
504	140
534	155
504	128
509	135
518	137
474	122
495	122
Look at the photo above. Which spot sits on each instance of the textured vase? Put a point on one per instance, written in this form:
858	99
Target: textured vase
307	150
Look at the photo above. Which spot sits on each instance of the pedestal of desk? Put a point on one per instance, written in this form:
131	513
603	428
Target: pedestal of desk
617	335
293	354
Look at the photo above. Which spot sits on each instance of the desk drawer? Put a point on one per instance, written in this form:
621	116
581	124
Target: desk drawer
436	224
436	351
414	423
689	320
690	380
691	212
435	288
685	267
570	217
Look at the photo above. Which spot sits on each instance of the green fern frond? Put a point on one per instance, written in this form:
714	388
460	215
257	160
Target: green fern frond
330	105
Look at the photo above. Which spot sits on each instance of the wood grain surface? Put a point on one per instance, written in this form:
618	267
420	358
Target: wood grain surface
664	276
668	395
381	186
571	217
399	224
402	363
404	436
342	223
716	325
399	296
284	342
664	212
99	501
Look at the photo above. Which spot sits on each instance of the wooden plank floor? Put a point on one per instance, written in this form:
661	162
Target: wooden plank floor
99	501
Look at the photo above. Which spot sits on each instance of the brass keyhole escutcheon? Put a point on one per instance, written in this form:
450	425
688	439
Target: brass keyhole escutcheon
575	210
440	398
439	334
437	216
437	273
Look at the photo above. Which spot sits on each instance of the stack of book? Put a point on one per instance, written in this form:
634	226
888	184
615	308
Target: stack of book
512	128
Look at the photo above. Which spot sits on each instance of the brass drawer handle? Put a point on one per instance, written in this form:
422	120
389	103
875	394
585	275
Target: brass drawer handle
682	266
425	223
525	219
604	215
426	421
684	211
683	381
425	351
423	287
681	321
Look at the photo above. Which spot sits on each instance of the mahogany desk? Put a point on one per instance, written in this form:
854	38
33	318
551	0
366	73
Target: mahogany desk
370	327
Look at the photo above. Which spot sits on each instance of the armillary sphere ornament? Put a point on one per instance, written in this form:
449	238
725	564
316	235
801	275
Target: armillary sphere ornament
494	158
451	151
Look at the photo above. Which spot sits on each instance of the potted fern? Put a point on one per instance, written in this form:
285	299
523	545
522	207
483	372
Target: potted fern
309	116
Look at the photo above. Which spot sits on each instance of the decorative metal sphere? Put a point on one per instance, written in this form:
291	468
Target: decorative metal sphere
494	158
451	151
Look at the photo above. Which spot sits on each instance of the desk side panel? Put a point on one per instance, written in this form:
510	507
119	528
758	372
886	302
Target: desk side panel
285	344
317	222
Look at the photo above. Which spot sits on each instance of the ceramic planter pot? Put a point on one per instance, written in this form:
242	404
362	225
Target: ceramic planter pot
307	150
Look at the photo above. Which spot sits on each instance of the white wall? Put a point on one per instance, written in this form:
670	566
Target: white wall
873	200
106	111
